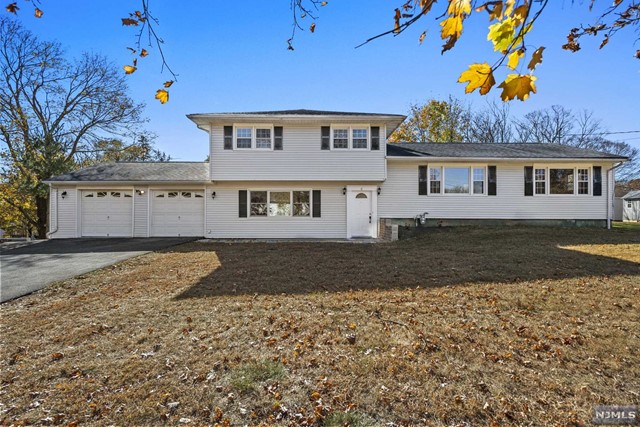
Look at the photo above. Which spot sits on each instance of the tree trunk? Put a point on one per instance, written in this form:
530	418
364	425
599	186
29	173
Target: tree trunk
42	209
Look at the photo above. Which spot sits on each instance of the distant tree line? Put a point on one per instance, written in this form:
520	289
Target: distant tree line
452	120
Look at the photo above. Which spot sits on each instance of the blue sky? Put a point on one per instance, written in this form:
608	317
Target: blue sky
232	56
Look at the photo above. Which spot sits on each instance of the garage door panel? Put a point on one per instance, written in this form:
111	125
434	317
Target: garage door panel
177	213
106	213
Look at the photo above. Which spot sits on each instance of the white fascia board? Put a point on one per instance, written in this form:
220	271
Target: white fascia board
133	183
510	159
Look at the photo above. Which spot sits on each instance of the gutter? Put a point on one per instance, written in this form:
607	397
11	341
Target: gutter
51	232
495	159
610	198
99	183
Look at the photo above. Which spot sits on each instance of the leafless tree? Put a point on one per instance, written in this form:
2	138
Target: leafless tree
54	111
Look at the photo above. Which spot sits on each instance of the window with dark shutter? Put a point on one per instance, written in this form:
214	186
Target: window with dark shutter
597	180
375	137
317	202
492	181
228	137
277	142
528	180
242	203
422	180
326	137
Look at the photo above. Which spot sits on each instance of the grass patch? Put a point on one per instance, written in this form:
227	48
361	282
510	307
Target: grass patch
348	419
469	326
248	377
632	226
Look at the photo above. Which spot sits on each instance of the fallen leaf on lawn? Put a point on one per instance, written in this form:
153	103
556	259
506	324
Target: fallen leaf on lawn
57	356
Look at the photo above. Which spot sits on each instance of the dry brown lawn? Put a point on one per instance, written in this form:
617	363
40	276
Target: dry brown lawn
460	326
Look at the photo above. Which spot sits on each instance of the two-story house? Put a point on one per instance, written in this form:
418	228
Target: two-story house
321	174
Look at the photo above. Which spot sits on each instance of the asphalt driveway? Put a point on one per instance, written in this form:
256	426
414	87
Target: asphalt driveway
29	268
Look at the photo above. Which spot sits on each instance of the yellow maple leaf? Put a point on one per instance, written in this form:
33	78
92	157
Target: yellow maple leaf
536	58
162	96
514	58
458	7
494	12
517	86
501	34
451	27
478	76
128	69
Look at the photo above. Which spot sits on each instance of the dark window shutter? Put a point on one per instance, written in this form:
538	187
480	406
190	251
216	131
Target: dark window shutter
228	137
597	180
422	180
492	187
316	210
326	138
375	137
242	203
277	142
528	180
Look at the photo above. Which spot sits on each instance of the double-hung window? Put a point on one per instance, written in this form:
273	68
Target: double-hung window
280	203
457	180
540	176
583	181
340	138
259	137
359	138
350	137
244	137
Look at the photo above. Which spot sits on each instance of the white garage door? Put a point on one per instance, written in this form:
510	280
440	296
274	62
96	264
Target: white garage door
177	213
107	213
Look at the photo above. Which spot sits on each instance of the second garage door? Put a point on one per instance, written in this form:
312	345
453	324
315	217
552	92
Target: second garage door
177	213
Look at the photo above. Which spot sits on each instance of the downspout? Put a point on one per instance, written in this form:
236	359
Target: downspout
57	209
610	195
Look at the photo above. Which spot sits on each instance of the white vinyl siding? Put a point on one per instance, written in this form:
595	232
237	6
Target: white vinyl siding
399	198
223	219
141	212
300	160
66	213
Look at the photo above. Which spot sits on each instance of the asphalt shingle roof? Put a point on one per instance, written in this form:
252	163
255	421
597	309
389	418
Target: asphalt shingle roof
139	171
517	151
632	195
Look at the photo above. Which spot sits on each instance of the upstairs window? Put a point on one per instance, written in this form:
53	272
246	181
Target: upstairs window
258	137
243	137
263	138
359	138
350	137
341	138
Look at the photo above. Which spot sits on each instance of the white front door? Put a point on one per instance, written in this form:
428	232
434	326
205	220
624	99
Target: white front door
106	213
361	212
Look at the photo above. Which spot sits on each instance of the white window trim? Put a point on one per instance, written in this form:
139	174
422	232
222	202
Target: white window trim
470	166
253	128
280	217
548	166
350	128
